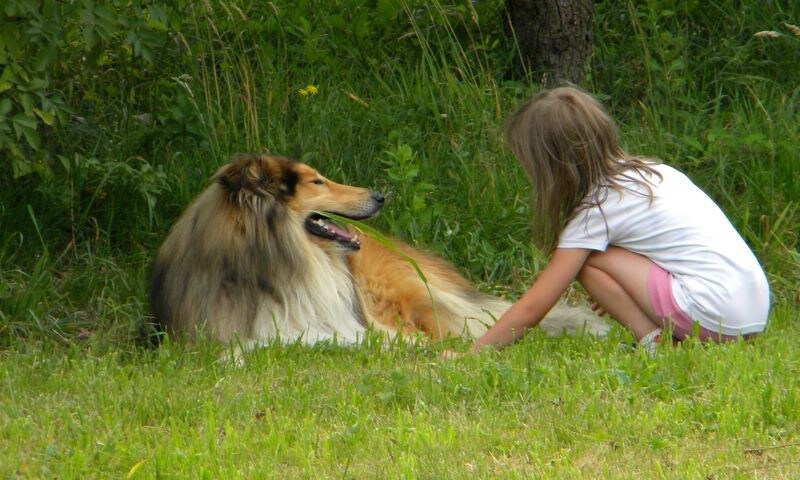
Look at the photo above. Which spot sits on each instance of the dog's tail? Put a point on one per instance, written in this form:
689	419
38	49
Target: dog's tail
470	314
572	320
152	329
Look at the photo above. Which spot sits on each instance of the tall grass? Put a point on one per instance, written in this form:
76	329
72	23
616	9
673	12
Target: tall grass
421	120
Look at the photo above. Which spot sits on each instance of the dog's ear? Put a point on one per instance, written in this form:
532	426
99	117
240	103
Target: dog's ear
248	174
259	175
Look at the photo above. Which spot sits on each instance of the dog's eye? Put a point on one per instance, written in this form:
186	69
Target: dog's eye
318	181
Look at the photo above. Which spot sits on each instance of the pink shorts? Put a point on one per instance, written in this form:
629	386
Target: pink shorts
659	289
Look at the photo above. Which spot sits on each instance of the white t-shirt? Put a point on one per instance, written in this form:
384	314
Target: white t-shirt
716	279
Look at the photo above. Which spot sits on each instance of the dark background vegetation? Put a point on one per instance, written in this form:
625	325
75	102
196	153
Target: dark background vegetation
114	114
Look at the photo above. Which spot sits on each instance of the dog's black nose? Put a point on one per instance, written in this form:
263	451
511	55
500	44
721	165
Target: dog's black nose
378	197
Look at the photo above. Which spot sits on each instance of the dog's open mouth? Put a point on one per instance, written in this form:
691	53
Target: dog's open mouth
324	227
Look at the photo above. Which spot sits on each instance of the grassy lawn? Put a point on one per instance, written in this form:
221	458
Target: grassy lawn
545	408
113	118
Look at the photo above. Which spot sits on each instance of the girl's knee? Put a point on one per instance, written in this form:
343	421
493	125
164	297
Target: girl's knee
613	257
587	272
594	260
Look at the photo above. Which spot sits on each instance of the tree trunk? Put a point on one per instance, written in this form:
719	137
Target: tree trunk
554	37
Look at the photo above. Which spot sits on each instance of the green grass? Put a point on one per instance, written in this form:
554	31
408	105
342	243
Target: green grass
545	408
412	105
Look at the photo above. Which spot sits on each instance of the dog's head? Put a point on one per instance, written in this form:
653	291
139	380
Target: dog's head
269	185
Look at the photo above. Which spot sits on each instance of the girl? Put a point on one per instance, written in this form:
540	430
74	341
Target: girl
650	248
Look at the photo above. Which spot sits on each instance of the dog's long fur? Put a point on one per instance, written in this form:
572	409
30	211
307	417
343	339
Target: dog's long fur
250	260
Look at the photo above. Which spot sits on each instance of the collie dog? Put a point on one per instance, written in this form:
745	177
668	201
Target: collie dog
252	260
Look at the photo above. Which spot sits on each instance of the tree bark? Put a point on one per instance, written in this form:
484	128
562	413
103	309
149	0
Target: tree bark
554	37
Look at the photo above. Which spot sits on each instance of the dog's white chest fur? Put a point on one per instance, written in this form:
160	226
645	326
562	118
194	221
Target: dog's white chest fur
319	305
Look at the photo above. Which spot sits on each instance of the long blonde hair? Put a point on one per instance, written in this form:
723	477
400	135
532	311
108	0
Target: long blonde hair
569	148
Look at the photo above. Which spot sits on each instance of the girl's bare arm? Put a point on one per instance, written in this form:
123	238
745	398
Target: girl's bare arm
531	308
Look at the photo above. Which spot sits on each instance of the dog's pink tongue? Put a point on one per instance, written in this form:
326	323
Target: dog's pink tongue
340	232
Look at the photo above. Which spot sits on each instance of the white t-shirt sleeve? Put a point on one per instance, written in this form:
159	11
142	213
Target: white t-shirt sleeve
587	229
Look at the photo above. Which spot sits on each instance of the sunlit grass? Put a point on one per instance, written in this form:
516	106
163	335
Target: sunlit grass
80	399
545	407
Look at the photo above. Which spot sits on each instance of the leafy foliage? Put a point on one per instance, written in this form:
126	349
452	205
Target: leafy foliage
60	60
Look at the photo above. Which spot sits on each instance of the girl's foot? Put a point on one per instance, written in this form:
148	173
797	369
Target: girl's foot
650	341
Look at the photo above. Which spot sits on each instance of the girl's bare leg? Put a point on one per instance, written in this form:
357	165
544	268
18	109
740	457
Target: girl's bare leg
617	280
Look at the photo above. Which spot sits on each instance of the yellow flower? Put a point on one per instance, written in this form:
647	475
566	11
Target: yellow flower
309	90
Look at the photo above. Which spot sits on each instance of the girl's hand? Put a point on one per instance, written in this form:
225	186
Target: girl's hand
596	308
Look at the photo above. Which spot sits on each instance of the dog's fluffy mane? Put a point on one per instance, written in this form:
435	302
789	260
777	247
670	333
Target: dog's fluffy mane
240	263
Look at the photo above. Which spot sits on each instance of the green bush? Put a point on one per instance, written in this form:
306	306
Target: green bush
61	64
